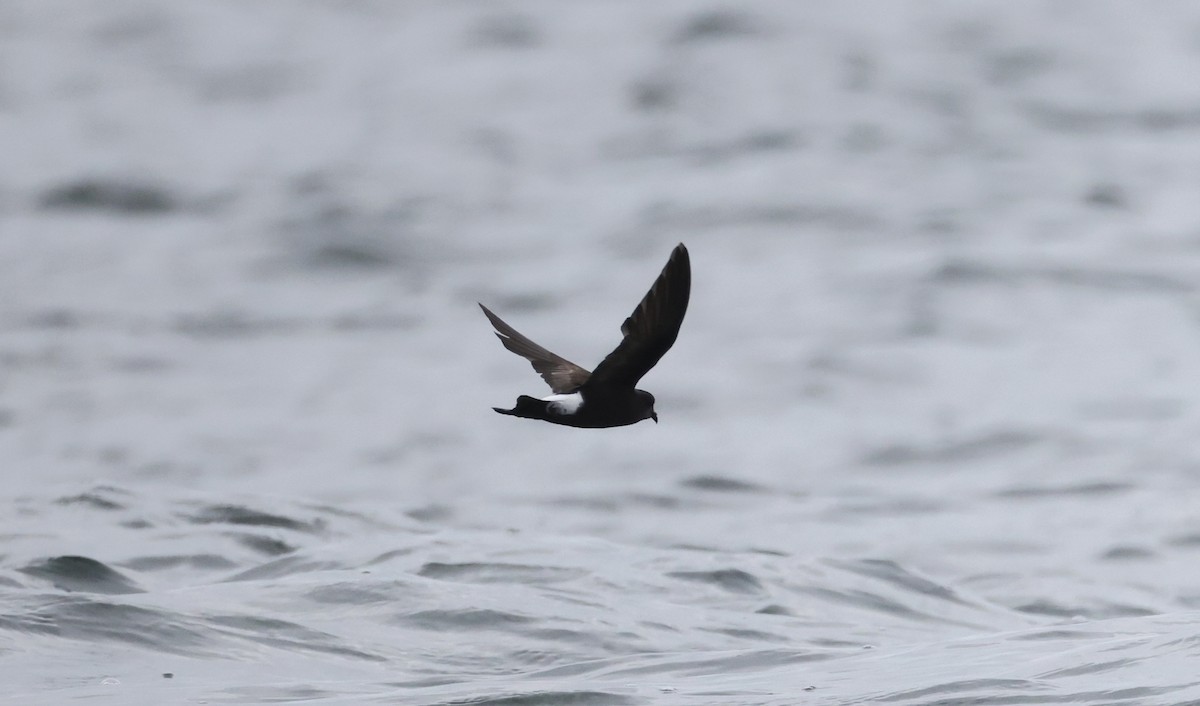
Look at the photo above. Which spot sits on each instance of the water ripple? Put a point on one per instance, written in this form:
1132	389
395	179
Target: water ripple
79	573
498	573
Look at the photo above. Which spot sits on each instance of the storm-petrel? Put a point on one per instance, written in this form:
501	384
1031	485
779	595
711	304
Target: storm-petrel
606	397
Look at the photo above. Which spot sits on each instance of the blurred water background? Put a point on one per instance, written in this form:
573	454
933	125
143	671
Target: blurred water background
929	433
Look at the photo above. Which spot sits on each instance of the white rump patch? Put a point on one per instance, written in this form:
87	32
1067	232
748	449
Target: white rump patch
564	404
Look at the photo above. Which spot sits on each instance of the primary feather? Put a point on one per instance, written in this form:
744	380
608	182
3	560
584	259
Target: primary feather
560	374
652	328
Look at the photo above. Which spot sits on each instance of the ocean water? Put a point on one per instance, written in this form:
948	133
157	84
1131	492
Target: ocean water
928	435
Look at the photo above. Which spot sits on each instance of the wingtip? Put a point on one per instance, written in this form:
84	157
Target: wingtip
488	313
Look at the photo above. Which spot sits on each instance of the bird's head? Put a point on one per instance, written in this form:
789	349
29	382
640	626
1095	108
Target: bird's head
647	401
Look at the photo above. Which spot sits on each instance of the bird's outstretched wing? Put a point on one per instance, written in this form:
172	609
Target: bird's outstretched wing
560	374
651	329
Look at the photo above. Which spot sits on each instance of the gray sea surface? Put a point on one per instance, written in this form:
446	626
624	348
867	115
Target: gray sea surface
929	434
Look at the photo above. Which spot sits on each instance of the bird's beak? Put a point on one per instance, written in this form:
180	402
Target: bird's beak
654	416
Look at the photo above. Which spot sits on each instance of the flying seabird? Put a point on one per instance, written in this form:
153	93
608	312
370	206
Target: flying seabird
607	397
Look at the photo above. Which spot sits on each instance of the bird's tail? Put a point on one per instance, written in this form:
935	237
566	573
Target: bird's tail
527	407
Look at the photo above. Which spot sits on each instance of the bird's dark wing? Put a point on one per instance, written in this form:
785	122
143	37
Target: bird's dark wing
560	374
651	329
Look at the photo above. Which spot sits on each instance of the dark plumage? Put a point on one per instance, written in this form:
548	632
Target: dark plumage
607	397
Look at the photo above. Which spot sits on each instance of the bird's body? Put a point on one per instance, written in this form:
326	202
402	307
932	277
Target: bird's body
588	410
607	397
